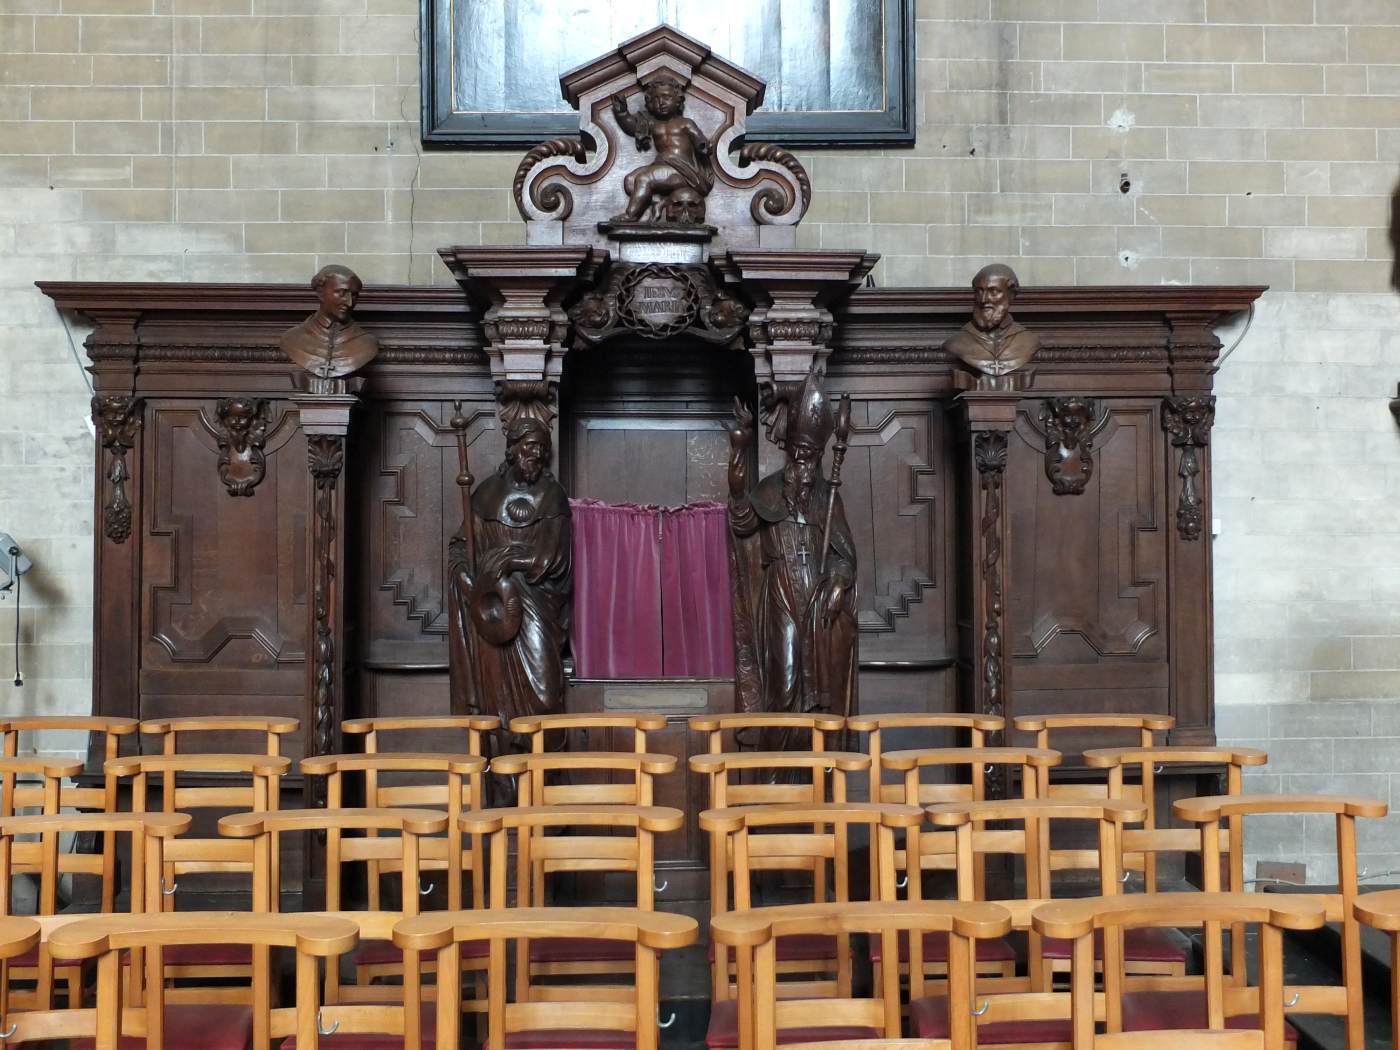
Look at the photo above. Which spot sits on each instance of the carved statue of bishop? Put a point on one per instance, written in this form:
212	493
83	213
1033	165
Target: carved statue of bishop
793	568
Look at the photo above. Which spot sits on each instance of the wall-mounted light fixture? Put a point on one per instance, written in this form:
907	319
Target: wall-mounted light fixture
14	563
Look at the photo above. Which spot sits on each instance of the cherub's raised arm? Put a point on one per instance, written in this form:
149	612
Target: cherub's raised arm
629	122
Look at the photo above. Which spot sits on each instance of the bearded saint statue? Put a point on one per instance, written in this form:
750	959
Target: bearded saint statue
794	580
509	595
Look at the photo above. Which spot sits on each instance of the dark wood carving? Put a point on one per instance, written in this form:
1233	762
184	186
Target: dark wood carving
1070	424
326	459
118	420
511	579
993	344
242	431
331	344
989	453
657	301
1188	421
797	567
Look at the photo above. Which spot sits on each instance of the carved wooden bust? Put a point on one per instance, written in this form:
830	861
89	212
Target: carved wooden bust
330	343
992	343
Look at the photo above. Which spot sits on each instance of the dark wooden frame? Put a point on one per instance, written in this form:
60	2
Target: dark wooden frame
894	126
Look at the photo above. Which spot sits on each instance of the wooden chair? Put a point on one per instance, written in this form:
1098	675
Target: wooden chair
355	1013
149	835
198	855
813	842
1229	1017
108	938
1381	911
765	778
876	726
1152	950
768	1020
1024	1011
539	728
766	731
1209	812
18	938
589	843
170	730
561	1024
48	796
966	770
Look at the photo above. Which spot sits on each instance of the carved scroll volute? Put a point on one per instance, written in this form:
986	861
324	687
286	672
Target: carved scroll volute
241	433
118	421
1070	425
1187	420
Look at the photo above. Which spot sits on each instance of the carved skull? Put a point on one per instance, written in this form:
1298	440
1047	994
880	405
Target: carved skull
685	207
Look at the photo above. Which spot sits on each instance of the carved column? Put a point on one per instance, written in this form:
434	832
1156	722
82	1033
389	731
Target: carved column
1187	422
985	419
325	419
117	556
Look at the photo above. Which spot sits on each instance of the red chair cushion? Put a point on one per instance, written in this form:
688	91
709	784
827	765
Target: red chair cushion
800	947
581	949
374	1040
383	953
212	1026
928	1017
723	1032
1140	944
1163	1011
936	949
204	955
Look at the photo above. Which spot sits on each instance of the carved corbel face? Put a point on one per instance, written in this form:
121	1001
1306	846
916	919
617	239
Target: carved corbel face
684	207
238	422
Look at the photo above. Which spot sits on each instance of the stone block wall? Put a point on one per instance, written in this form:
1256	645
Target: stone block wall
1087	141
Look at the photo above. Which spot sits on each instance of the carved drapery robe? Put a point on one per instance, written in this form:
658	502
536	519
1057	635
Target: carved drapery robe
790	655
524	673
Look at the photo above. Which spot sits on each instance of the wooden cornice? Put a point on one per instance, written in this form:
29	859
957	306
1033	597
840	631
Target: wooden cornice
1082	300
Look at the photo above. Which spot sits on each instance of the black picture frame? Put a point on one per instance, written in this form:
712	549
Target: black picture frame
894	126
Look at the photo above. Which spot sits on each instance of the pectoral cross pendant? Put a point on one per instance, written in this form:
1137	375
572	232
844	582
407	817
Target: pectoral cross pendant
803	551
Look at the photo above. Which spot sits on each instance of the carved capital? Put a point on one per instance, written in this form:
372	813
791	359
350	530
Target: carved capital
1187	420
989	452
241	433
1070	425
526	399
325	456
118	421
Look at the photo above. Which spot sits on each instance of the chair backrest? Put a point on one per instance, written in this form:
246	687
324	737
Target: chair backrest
271	727
750	778
46	794
1080	920
754	934
112	731
203	855
445	932
584	778
767	731
1209	812
107	938
359	1010
540	728
17	938
1141	846
1045	727
976	727
150	834
813	840
455	788
417	727
1381	911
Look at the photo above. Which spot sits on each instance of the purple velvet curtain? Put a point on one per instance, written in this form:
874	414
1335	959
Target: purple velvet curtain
697	629
651	591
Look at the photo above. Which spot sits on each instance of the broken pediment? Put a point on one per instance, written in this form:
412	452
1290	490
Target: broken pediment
660	157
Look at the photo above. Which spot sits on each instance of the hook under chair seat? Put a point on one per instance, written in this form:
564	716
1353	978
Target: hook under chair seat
723	1032
206	1026
374	1040
1186	1010
928	1019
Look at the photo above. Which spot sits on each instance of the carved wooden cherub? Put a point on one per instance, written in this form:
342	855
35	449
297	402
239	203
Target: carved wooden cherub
682	163
243	429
